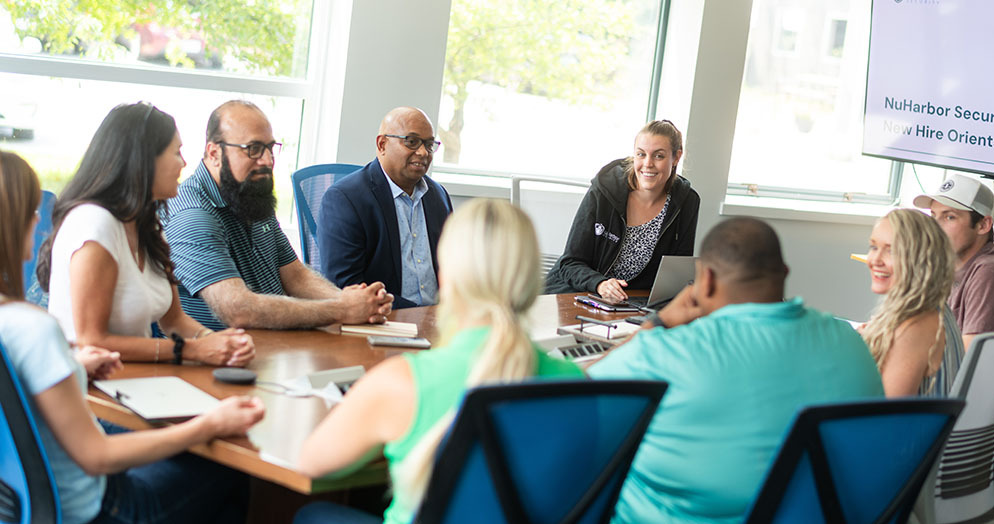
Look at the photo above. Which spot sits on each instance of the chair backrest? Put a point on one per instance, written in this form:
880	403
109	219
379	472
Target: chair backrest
27	488
550	452
550	206
309	185
861	462
962	487
32	290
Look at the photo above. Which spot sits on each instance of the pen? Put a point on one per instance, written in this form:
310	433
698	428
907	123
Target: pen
582	318
592	303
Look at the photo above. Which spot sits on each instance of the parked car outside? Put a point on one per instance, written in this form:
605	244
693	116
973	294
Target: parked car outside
14	130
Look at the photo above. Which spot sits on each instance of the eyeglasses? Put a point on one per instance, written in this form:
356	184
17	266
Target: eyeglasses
415	142
255	150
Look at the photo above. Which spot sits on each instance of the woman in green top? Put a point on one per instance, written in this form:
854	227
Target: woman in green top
489	277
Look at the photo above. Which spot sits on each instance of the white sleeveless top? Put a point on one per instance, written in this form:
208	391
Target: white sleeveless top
140	297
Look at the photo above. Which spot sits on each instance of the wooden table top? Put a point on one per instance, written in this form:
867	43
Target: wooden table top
271	447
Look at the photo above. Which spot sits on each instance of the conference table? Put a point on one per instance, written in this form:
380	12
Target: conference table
270	449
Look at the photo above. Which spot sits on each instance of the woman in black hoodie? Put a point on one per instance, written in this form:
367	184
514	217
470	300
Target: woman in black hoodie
636	210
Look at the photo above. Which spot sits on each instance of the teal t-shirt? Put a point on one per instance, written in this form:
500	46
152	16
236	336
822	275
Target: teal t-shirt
736	379
440	382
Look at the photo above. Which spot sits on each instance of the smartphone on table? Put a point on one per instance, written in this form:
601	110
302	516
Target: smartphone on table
404	342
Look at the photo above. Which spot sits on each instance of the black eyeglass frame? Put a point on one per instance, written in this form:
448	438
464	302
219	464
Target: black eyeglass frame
273	147
431	145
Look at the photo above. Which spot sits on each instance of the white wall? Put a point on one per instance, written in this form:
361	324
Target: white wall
380	74
393	52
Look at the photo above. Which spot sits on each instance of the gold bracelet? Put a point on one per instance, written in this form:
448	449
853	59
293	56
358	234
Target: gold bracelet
157	350
202	332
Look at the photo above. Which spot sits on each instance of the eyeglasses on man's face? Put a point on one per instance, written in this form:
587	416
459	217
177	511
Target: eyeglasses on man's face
255	150
414	142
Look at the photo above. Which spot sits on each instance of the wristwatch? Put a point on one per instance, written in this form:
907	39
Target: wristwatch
657	321
178	344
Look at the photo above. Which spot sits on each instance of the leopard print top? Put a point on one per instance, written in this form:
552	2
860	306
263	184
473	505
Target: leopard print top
637	246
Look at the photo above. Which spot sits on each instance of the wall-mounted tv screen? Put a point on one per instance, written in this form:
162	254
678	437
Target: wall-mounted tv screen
930	83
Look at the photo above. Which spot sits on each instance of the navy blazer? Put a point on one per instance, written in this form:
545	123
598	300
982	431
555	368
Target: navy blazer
358	238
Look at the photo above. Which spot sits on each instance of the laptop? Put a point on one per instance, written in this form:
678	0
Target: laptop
673	274
565	347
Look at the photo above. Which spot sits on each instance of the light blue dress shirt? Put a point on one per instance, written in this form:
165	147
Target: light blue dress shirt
419	284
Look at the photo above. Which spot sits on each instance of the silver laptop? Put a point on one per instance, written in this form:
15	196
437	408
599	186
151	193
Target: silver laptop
673	274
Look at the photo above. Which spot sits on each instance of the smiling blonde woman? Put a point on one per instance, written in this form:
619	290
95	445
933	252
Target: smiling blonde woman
912	334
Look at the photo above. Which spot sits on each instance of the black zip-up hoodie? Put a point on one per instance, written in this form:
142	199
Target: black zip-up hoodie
595	237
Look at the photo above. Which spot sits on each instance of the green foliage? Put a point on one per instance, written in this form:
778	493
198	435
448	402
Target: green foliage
566	49
559	49
259	36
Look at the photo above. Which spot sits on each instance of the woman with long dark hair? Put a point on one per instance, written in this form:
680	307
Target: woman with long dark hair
106	265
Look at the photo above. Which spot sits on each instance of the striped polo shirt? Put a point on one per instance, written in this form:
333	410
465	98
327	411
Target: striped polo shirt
209	244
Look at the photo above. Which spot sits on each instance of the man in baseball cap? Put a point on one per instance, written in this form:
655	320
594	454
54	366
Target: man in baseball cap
962	206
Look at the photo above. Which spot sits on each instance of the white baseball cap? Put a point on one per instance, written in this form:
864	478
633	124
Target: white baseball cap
960	192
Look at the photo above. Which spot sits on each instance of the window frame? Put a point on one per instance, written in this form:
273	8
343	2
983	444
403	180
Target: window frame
308	89
800	194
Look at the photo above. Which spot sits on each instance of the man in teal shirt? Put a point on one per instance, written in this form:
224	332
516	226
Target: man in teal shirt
740	361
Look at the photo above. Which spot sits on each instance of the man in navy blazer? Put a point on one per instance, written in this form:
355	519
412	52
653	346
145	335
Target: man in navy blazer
382	222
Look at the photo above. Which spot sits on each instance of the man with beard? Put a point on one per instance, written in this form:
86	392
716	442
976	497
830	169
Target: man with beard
235	266
382	222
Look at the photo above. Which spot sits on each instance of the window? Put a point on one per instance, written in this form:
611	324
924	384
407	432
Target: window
184	57
538	88
264	38
836	37
790	26
798	131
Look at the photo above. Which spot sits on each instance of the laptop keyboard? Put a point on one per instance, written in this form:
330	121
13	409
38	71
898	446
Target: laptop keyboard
637	301
582	351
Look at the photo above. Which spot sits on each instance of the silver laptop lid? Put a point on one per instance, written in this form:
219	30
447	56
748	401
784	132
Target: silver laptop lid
673	274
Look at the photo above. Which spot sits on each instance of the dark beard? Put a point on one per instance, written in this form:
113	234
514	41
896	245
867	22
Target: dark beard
251	200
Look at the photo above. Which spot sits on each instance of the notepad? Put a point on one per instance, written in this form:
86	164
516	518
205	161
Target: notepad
159	398
619	329
389	328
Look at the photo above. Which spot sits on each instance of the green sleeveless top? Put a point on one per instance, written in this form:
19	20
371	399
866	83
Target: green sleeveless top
439	382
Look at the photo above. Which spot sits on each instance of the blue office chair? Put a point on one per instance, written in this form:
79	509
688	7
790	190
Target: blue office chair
309	185
855	463
27	487
32	290
539	452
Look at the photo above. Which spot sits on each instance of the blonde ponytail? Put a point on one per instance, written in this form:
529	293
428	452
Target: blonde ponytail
489	276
